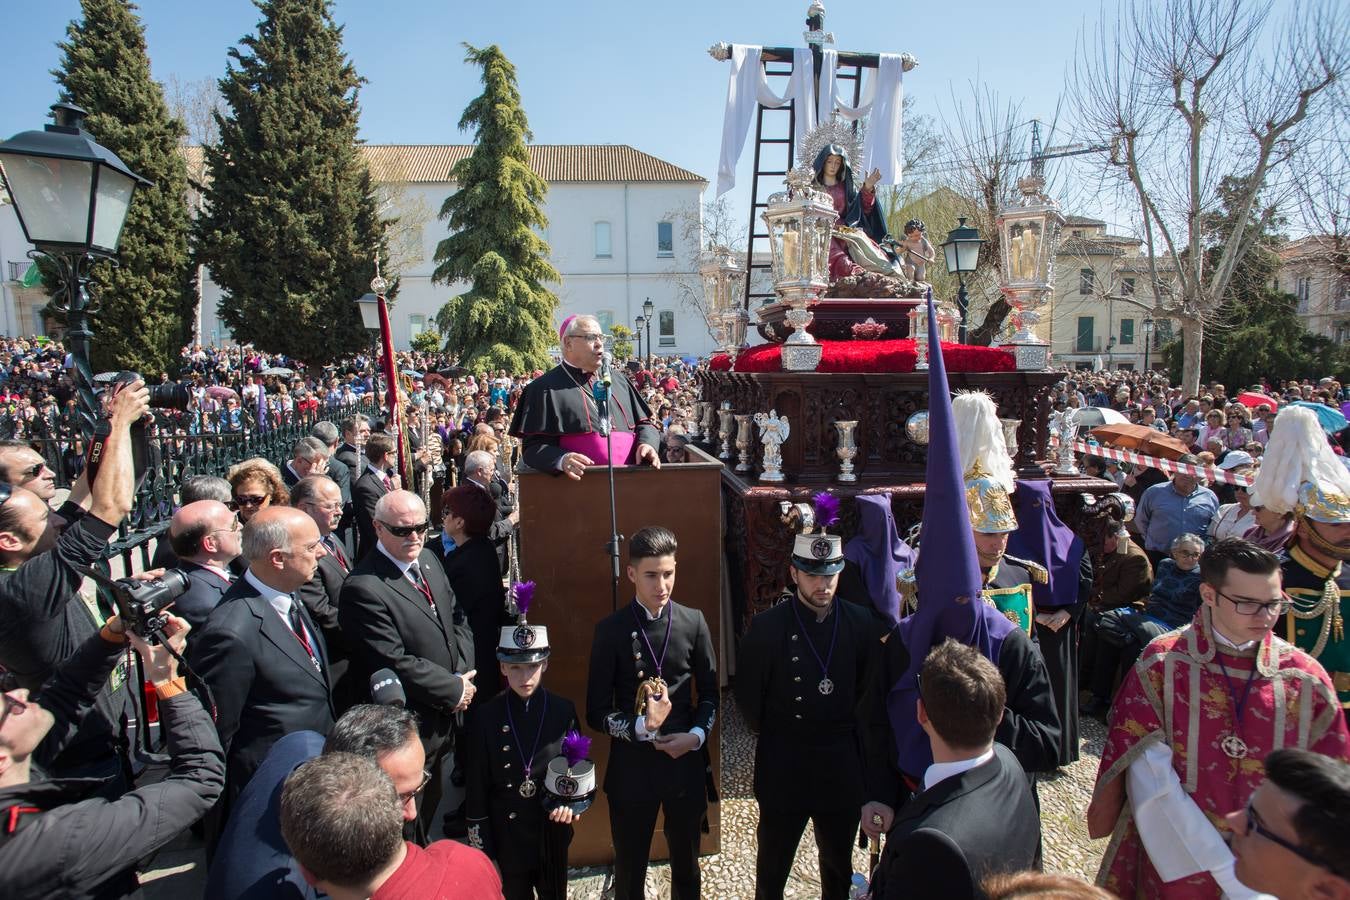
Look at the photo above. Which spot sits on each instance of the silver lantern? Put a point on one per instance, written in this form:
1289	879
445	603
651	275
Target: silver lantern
728	322
1029	233
799	223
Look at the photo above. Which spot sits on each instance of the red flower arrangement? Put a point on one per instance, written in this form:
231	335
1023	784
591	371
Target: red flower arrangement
871	356
871	330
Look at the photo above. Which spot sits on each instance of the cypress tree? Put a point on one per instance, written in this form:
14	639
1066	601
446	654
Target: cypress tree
146	302
505	320
291	228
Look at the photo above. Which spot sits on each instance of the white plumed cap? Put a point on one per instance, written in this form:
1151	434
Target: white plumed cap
1297	455
979	436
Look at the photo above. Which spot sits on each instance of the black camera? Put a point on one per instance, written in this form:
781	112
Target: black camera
141	604
162	396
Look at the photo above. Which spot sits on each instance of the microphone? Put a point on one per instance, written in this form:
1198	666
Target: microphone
600	390
606	368
386	689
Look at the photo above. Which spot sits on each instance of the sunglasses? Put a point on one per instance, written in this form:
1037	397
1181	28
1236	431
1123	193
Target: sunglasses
32	471
13	707
405	530
247	500
1256	826
426	779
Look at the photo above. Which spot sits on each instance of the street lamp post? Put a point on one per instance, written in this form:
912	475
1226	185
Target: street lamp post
370	318
1110	352
961	251
1148	339
648	310
637	331
72	197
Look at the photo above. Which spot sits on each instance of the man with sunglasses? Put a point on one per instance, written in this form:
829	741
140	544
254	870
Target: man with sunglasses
559	420
43	617
1293	838
398	610
56	839
1193	719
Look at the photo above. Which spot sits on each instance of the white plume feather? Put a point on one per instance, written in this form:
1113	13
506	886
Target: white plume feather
979	435
1297	452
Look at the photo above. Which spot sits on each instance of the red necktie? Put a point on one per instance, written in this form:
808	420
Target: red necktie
388	483
416	572
298	627
333	547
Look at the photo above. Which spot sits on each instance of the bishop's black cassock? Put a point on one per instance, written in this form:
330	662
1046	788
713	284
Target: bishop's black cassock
558	414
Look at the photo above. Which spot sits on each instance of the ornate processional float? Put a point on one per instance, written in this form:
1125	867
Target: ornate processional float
836	394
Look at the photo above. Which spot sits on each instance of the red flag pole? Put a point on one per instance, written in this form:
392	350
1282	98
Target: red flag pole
391	385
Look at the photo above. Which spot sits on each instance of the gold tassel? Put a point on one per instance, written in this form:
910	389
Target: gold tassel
1333	596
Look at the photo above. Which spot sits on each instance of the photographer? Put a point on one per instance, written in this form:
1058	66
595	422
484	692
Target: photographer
43	618
56	843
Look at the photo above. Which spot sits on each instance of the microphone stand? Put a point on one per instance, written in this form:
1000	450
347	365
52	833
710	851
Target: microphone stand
600	391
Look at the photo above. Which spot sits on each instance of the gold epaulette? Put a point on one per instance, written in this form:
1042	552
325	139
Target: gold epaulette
1038	572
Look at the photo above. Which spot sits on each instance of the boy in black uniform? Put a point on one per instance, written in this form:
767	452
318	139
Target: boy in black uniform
652	688
512	739
804	666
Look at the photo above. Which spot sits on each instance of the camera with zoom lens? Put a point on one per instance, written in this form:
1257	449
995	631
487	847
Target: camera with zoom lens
141	604
162	396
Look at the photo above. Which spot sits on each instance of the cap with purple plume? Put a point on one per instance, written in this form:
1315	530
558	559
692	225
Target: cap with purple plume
827	509
576	747
523	593
949	580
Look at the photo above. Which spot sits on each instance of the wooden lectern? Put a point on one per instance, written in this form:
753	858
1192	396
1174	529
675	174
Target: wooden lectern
565	527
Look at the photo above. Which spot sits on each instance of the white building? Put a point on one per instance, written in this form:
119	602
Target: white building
615	233
22	297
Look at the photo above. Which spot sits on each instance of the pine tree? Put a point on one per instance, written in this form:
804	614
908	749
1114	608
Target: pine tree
291	227
145	303
505	319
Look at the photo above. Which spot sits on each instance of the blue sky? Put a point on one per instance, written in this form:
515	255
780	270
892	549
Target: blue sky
590	72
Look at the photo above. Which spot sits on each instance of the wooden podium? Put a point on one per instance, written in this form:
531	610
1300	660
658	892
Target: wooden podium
565	526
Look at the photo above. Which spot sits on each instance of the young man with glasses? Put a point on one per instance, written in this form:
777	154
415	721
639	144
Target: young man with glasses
560	423
1293	838
1195	717
399	612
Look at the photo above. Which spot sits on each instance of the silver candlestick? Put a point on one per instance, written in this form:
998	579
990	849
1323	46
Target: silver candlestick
773	431
726	422
710	423
696	422
743	441
846	450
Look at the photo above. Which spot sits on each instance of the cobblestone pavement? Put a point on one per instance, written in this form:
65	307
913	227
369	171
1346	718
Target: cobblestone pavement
730	875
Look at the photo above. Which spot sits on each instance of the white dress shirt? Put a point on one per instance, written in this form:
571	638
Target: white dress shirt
279	601
939	772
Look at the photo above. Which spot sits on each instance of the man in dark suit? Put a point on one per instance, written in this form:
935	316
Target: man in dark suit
399	612
974	815
193	488
308	457
260	653
803	669
355	433
480	469
206	537
319	498
372	484
656	654
340	472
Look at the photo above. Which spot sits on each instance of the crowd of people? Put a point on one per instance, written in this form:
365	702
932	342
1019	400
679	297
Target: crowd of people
343	670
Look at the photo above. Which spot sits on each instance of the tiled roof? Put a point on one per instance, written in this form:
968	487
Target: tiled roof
552	162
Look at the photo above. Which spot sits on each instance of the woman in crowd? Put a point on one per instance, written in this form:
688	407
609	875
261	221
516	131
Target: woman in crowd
256	484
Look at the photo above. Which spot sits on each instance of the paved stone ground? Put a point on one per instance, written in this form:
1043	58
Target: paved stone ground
730	875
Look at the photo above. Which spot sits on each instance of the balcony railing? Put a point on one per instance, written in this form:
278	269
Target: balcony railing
17	270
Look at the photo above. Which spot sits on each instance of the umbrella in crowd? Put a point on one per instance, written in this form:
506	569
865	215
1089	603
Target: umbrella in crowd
1331	420
221	392
279	370
1253	399
1099	415
1141	438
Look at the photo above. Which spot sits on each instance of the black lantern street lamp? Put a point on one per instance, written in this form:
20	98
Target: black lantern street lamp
648	309
1148	339
637	330
962	253
370	318
72	197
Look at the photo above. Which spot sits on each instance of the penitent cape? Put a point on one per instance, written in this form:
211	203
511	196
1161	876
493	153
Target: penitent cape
557	414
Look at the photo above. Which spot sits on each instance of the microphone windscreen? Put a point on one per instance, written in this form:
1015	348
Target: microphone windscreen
386	689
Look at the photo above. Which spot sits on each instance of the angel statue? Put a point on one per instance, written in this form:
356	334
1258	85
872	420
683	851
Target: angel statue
773	431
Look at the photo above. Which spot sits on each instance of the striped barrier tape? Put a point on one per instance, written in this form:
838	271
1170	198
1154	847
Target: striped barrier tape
1210	473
